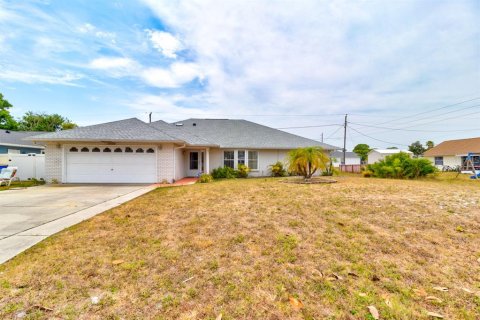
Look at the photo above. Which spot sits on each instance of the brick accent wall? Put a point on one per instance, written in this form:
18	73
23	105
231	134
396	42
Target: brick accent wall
53	163
165	162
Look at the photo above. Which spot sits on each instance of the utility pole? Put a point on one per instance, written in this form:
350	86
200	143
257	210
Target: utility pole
344	139
322	137
150	117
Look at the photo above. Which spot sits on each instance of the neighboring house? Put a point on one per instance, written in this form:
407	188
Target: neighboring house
452	153
379	154
350	158
129	151
14	142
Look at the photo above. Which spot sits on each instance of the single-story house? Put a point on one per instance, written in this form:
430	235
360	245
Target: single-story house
350	158
453	153
15	142
376	155
132	151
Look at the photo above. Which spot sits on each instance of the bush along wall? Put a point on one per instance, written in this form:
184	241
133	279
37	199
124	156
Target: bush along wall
230	173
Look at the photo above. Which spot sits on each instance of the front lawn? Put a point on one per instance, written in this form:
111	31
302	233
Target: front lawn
262	249
22	184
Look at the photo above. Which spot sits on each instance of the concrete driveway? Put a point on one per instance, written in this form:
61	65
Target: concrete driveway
28	216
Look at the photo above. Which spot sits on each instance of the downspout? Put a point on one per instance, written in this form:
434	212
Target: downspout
175	163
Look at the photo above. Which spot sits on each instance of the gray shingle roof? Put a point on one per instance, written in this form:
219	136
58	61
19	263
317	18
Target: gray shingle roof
196	132
245	134
348	154
124	130
16	138
189	138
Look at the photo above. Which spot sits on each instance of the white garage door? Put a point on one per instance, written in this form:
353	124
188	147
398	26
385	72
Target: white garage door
111	164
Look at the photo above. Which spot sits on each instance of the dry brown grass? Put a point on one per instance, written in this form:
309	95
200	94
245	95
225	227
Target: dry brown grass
243	248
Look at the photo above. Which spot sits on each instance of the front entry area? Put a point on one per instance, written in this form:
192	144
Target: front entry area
111	164
196	161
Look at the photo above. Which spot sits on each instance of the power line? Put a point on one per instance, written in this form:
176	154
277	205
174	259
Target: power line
413	130
437	120
333	133
429	111
316	126
433	121
254	115
398	144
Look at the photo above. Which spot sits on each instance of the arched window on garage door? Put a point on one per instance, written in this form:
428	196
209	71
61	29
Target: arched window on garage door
73	149
139	150
107	150
95	149
150	150
118	150
128	150
85	149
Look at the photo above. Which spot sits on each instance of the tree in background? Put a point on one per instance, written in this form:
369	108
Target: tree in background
32	121
430	145
362	151
307	161
7	122
417	149
44	122
392	148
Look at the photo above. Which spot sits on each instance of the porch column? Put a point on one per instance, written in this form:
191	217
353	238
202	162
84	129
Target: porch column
207	160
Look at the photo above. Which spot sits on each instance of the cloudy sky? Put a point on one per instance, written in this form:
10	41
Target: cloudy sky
402	70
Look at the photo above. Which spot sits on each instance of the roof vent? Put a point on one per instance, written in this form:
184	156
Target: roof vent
194	124
179	124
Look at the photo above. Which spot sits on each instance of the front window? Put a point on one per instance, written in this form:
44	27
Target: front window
241	157
229	159
253	160
439	161
193	160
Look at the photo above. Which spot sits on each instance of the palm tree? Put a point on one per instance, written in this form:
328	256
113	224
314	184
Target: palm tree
306	161
430	145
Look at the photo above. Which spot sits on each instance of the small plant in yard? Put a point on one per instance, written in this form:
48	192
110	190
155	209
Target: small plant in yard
230	173
307	161
401	166
277	169
224	173
205	178
329	169
242	171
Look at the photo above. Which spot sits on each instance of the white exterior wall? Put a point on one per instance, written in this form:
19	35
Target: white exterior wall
375	157
348	160
265	159
451	161
179	163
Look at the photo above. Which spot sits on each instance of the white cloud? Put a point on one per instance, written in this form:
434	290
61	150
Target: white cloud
86	28
318	57
165	43
176	75
45	77
90	29
105	63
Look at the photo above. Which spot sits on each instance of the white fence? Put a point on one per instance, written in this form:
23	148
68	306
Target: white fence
29	165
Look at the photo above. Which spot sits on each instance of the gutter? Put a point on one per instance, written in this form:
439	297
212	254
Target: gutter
21	145
174	162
